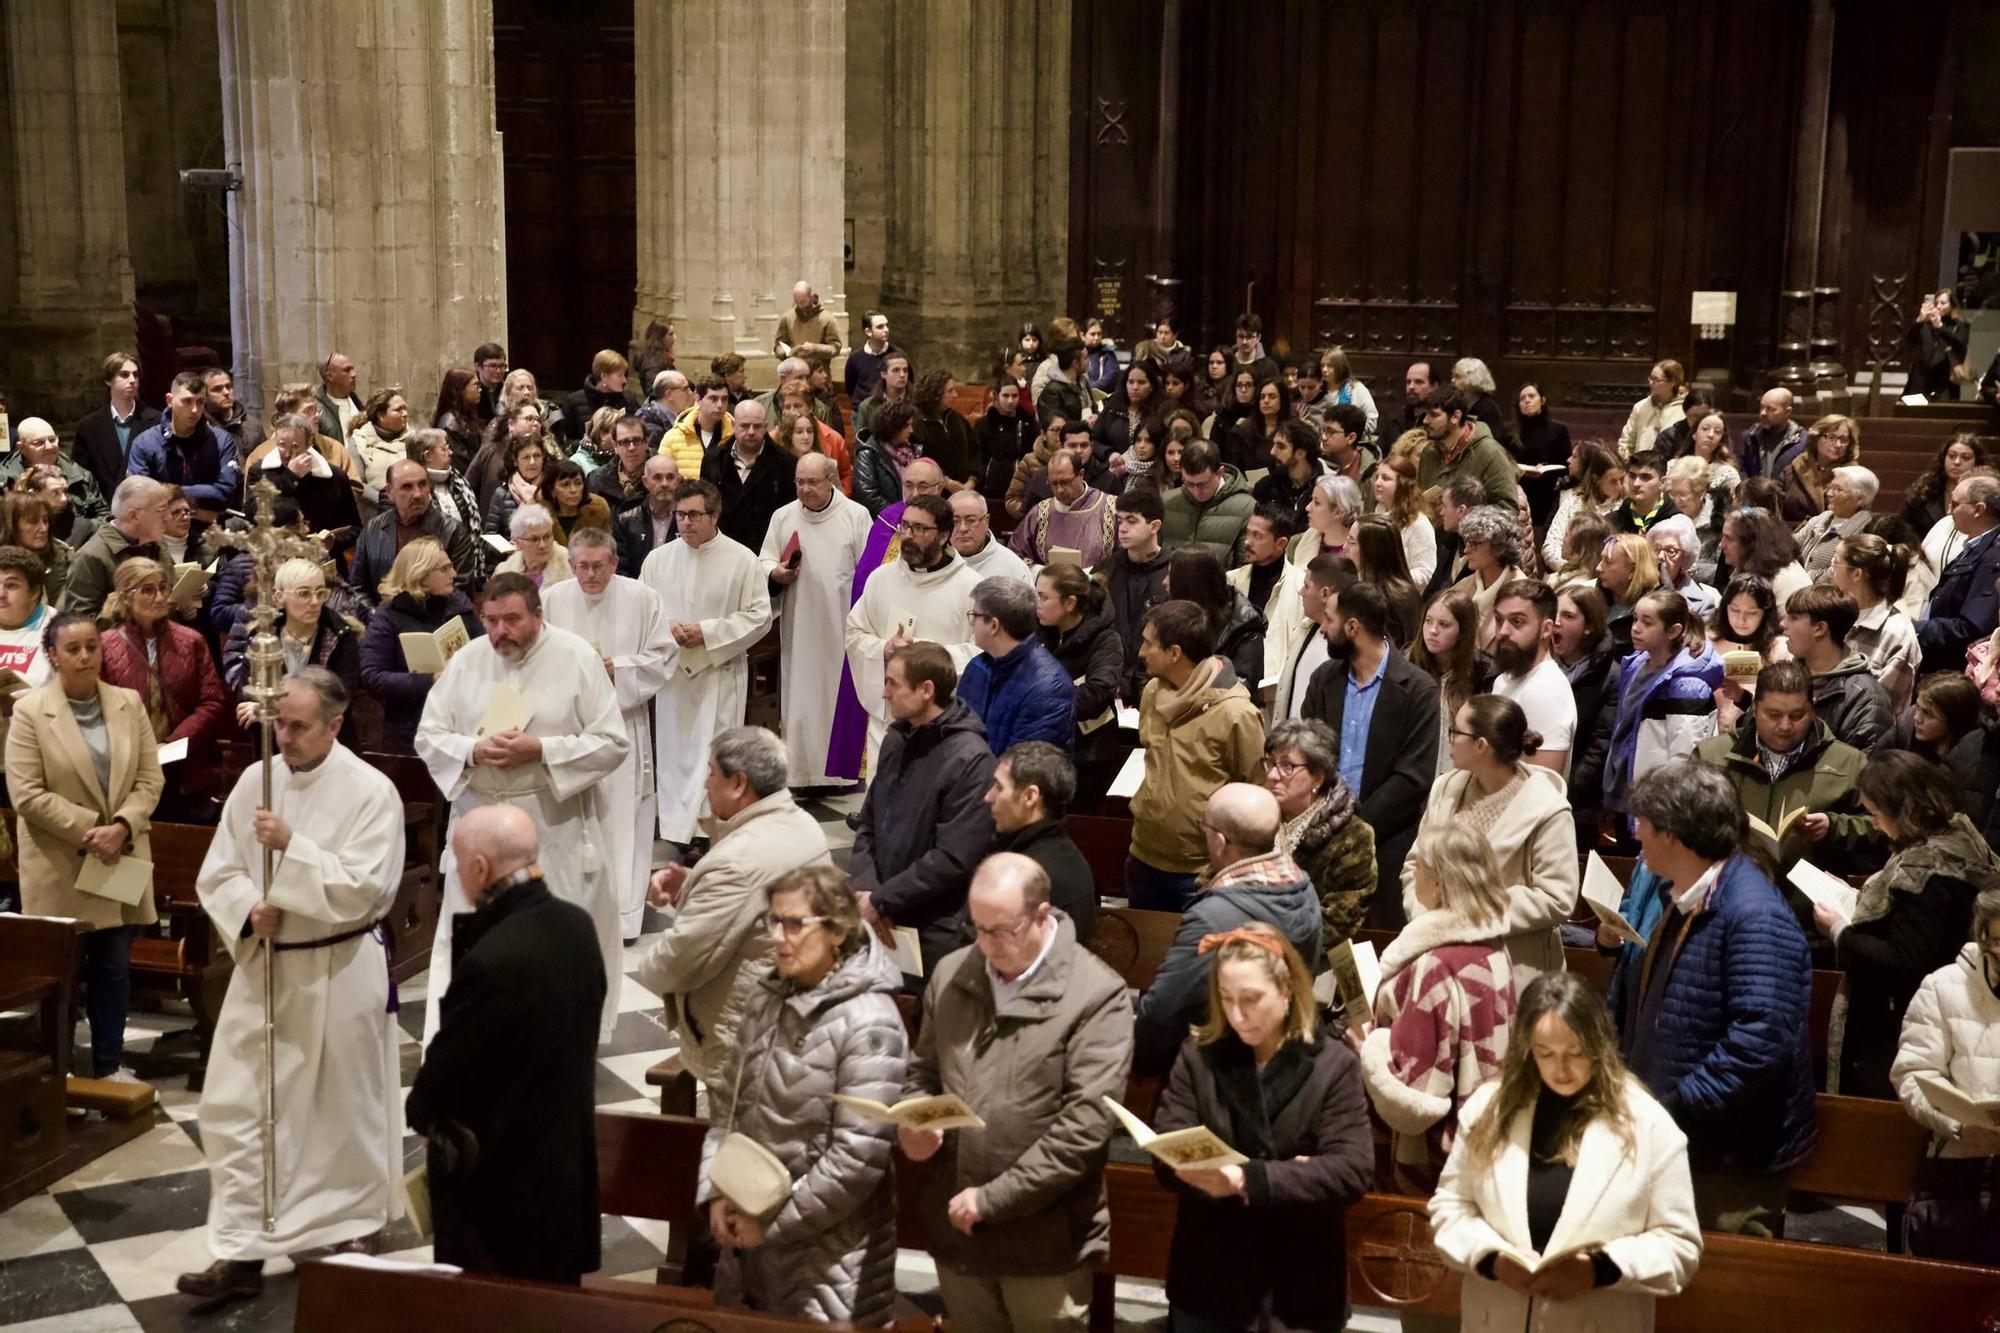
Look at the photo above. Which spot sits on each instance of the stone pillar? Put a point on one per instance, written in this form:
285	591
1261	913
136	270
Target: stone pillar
741	142
72	297
370	216
977	100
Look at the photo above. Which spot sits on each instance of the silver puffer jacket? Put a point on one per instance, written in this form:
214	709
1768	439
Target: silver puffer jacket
830	1253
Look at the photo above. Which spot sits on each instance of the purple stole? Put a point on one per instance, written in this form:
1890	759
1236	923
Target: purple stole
850	720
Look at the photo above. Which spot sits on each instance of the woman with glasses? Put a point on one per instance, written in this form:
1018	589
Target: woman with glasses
309	633
1264	1074
1947	1039
168	666
1321	829
819	1020
1523	809
537	553
419	596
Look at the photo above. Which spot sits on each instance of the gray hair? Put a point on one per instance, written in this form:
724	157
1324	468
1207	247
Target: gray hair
1316	743
823	463
1499	528
974	501
757	754
324	684
668	379
1009	601
1681	528
1474	372
1692	802
135	492
1342	494
529	516
295	424
1861	481
1980	490
597	539
792	367
1985	911
422	440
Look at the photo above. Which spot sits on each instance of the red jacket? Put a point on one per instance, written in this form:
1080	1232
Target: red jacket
196	701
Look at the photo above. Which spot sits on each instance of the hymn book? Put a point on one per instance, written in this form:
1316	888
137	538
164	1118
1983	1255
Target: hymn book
1357	973
1601	894
189	580
498	544
1785	822
1949	1099
1065	555
127	881
1828	891
945	1111
426	652
906	953
1196	1148
506	710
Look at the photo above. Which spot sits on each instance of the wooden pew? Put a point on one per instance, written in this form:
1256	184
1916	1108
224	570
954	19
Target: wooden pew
336	1298
187	961
646	1168
413	918
1134	942
40	958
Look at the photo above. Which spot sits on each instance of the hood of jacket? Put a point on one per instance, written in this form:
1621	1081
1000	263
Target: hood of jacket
955	720
1434	930
1957	852
1196	701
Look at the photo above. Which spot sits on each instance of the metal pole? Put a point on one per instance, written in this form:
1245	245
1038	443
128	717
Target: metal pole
264	718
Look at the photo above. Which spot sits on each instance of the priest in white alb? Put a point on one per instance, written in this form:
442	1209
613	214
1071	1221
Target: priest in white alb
925	594
335	826
525	717
811	550
622	619
972	537
717	607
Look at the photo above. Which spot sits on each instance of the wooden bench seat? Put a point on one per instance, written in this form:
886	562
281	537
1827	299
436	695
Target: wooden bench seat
39	961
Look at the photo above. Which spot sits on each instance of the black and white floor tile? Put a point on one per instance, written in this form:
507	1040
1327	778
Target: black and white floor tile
99	1251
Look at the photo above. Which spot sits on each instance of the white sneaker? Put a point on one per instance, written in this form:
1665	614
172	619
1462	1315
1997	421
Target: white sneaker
123	1075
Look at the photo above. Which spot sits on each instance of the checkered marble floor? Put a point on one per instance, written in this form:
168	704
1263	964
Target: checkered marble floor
99	1251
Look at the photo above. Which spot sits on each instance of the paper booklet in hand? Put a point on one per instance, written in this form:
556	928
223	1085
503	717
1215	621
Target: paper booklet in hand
1130	775
1602	893
906	952
189	579
1951	1100
426	651
1785	822
947	1110
1356	973
125	882
1543	1264
13	682
1828	891
1196	1148
507	709
499	545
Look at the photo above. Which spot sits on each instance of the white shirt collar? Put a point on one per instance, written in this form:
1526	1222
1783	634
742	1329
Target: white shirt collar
1691	897
1004	990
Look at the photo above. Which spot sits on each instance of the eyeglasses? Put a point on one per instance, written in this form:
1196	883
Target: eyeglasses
690	515
1281	768
1456	734
791	927
1007	932
310	594
909	529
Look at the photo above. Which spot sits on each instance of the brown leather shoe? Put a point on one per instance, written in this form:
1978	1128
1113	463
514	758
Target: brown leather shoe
224	1279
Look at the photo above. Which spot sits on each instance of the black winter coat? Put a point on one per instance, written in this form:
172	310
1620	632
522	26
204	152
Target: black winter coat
386	675
506	1095
1241	640
1002	440
1071	885
1130	591
375	552
925	826
749	502
1260	1261
1095	659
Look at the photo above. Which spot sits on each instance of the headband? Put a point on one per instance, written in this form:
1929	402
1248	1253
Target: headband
1250	937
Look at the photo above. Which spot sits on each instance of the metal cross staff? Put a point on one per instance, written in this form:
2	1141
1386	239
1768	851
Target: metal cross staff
269	547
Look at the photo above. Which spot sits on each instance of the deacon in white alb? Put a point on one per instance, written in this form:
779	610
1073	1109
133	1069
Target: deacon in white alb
621	618
831	531
712	590
336	825
553	766
925	594
972	537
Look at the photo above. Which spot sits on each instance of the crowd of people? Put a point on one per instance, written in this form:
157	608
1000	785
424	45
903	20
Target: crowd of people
1357	664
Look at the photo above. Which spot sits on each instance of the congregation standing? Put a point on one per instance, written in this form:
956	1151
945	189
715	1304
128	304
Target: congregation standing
1371	665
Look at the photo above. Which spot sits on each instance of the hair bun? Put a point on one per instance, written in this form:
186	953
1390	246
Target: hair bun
1531	741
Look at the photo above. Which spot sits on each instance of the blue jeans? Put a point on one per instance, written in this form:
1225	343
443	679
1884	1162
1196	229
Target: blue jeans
1157	890
107	975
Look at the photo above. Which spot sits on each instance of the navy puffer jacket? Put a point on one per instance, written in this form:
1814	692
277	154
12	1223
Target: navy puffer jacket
1024	696
1725	1049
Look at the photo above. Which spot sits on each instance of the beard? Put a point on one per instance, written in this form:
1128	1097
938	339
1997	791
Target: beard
1339	648
916	557
1511	659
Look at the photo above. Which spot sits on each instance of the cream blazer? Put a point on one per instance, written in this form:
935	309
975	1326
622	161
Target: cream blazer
57	799
1636	1205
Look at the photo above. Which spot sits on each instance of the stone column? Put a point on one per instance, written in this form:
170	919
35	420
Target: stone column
741	142
977	96
370	218
72	297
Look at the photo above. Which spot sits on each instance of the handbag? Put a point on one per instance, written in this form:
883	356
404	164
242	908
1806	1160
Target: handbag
744	1171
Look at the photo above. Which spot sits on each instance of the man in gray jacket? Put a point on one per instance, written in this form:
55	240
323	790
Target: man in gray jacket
1033	1031
758	833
